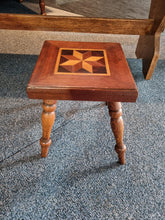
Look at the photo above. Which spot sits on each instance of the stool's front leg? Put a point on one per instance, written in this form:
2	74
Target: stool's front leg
117	126
48	117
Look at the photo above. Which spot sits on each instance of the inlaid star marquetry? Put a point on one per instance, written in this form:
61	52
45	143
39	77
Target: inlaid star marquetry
81	62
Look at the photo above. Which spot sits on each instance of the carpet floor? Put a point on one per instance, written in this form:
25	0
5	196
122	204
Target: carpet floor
80	178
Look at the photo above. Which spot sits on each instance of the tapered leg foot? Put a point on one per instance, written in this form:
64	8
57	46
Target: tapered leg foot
121	153
117	126
47	118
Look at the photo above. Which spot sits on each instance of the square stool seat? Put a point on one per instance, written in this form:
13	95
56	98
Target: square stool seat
84	71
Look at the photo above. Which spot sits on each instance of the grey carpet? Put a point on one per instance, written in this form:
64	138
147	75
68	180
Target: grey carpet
80	178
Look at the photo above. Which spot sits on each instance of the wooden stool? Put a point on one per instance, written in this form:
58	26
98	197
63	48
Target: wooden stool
82	71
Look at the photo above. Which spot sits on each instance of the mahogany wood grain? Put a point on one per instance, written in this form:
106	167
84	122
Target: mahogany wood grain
118	86
77	24
48	117
117	126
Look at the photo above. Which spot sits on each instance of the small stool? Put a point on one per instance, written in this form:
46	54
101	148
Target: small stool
85	72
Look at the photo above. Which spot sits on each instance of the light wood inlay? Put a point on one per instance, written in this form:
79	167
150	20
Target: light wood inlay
80	61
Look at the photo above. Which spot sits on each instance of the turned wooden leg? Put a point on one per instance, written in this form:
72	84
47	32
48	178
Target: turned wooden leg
42	7
48	117
117	126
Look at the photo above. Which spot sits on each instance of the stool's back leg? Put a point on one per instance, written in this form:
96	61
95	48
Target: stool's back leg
47	118
117	126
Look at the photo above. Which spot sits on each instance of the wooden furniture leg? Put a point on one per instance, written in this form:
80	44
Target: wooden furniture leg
48	117
117	126
42	7
148	47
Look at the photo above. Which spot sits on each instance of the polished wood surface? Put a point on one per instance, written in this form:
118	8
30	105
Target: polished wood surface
119	85
117	126
77	24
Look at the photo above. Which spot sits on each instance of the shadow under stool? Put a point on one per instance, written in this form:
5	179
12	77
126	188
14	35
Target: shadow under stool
84	71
